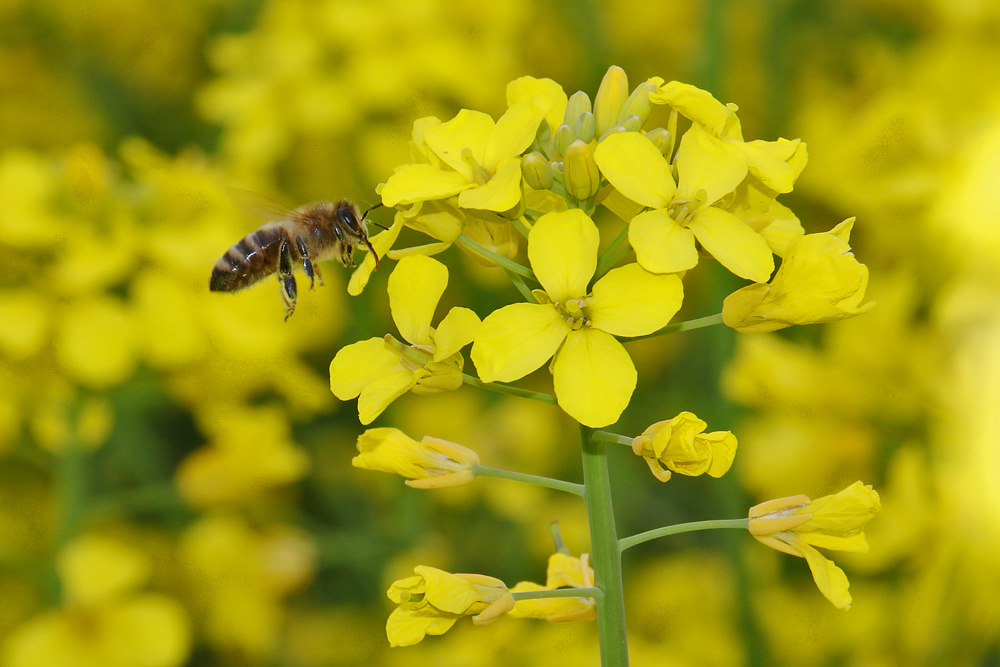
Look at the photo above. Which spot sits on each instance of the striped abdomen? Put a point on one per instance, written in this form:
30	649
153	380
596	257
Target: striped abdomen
251	259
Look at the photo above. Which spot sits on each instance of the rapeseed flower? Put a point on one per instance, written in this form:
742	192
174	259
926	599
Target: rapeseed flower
431	463
681	445
818	281
797	525
594	376
431	602
377	371
680	213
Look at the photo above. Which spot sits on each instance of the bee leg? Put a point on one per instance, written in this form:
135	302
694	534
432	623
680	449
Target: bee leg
347	255
307	265
289	290
319	276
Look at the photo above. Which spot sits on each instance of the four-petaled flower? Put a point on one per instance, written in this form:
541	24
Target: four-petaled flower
593	374
681	445
431	602
664	236
797	525
379	370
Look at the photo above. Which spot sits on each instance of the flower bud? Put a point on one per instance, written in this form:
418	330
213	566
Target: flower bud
610	97
631	123
580	174
638	103
543	137
585	127
562	139
660	137
537	172
579	103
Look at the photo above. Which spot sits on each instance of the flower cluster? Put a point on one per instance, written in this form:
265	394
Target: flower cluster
550	175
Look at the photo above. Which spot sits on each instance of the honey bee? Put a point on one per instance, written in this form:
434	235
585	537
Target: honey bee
311	233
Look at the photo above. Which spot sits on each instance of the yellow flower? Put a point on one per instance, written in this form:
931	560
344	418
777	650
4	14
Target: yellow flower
564	571
479	160
681	445
429	464
818	281
664	237
776	164
379	370
593	374
431	602
106	620
796	525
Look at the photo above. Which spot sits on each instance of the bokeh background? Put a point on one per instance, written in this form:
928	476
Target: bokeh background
175	480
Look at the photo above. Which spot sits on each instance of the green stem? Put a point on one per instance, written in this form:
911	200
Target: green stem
500	260
605	554
633	540
557	484
592	592
520	224
521	286
708	321
501	388
613	438
612	254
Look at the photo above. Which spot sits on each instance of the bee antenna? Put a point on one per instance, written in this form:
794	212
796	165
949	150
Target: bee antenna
370	209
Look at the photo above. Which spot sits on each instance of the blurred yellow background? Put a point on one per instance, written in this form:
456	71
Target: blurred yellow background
175	480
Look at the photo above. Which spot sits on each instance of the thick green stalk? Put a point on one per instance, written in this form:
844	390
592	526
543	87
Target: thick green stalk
605	554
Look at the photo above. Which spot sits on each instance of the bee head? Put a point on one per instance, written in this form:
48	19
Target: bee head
353	224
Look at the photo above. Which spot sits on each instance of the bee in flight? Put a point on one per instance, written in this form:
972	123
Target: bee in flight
311	233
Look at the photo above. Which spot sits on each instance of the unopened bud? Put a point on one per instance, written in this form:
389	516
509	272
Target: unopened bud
543	137
585	127
661	139
580	174
610	97
638	103
562	139
631	123
579	103
614	129
537	173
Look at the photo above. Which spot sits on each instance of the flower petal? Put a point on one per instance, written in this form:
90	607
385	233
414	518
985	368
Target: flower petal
513	133
378	394
731	241
630	301
357	364
594	377
423	182
382	242
544	93
694	103
562	249
500	193
456	330
707	163
830	579
660	244
636	168
468	129
516	340
415	287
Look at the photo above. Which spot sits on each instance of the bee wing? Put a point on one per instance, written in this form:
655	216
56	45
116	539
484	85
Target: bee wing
259	207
